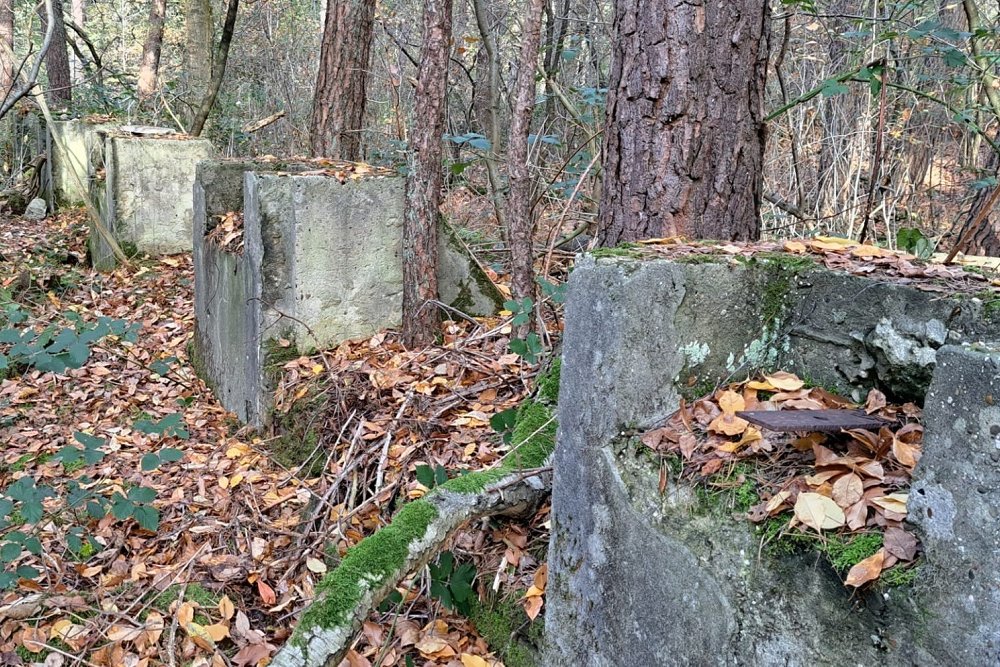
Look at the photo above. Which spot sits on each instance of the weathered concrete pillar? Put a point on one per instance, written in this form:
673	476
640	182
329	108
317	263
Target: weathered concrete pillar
146	197
955	504
648	578
322	264
76	148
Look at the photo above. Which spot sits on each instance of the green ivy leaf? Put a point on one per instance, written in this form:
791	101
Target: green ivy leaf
142	494
10	552
425	475
149	462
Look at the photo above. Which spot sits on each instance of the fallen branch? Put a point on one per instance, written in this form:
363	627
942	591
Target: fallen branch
250	128
327	626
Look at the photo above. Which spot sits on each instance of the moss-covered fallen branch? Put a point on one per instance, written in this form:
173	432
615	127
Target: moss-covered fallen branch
374	567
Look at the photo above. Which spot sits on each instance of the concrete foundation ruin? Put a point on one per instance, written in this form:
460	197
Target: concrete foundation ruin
77	146
312	259
638	576
143	188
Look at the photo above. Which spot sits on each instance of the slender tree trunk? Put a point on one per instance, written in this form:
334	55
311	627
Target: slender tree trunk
684	144
7	38
221	58
341	85
60	89
198	41
425	179
520	215
150	67
78	12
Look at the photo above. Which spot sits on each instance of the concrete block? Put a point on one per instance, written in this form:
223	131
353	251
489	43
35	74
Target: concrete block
76	149
146	198
643	577
322	264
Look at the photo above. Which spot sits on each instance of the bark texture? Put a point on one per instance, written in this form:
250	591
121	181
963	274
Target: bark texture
684	144
425	179
150	66
198	31
7	38
219	70
60	88
520	214
341	84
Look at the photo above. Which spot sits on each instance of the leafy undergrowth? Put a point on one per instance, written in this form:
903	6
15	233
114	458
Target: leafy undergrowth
844	493
237	542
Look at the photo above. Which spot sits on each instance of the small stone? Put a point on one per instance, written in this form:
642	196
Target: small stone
37	209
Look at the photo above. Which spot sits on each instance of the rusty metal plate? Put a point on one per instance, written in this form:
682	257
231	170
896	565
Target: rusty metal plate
812	420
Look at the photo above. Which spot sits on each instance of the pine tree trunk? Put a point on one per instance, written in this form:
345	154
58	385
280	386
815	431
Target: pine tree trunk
60	88
425	179
150	66
7	37
520	216
684	144
341	84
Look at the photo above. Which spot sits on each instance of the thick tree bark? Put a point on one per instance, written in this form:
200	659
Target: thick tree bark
221	58
341	85
425	179
684	144
7	38
60	88
150	66
520	215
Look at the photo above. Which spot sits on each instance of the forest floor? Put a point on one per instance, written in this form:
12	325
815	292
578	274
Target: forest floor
243	525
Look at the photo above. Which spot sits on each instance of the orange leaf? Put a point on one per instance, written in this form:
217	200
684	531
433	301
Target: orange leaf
267	593
867	570
731	402
728	424
785	381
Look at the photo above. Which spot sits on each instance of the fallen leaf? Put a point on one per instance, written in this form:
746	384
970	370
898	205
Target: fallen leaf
784	381
899	543
905	453
731	402
818	512
894	502
847	490
728	424
867	570
469	660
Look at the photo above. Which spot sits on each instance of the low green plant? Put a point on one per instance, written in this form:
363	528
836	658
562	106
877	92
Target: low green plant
451	583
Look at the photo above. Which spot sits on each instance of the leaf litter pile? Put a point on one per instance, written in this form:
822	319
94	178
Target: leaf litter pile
240	542
845	484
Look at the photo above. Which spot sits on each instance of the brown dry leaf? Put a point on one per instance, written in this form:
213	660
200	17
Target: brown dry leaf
857	515
33	639
730	402
894	502
226	608
818	512
434	647
217	631
253	655
200	636
847	490
469	660
796	247
875	402
867	570
688	444
758	385
123	633
906	453
533	606
777	502
899	543
784	381
729	424
355	659
185	613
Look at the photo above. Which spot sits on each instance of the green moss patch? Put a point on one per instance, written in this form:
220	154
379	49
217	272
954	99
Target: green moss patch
368	565
508	631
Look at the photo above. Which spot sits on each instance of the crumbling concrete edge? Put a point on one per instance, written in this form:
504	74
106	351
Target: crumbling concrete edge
373	567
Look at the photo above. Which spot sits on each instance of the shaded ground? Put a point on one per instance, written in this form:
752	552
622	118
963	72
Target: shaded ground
242	539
